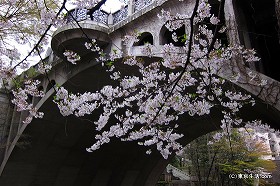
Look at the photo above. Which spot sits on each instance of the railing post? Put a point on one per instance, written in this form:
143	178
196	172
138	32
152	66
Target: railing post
110	19
130	7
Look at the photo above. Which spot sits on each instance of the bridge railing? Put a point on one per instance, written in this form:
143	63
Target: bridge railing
108	18
120	15
140	4
178	173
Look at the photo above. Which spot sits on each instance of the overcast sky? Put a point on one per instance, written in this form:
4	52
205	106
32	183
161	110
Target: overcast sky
110	6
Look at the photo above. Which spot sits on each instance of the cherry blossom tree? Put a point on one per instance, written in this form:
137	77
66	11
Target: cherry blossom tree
147	106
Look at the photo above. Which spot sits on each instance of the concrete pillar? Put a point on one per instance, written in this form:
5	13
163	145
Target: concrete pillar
110	19
232	32
275	147
4	113
256	182
5	121
130	7
231	23
277	12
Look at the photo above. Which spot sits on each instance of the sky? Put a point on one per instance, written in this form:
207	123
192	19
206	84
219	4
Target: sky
112	6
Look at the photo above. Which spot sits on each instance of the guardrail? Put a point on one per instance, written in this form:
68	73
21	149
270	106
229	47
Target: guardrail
104	17
177	172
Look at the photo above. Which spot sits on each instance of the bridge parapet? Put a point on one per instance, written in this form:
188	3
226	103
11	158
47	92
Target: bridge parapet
177	172
98	25
71	37
112	18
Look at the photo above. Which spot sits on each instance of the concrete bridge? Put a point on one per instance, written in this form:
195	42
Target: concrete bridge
56	152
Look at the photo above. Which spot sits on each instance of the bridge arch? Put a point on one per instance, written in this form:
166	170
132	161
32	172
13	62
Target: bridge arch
166	36
146	37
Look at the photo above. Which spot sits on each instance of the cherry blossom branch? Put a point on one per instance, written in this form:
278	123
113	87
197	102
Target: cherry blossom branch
93	9
217	26
42	36
46	73
187	60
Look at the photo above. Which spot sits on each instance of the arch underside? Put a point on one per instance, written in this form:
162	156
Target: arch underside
56	152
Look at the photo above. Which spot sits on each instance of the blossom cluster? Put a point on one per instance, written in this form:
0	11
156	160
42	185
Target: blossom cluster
44	68
22	102
131	38
72	56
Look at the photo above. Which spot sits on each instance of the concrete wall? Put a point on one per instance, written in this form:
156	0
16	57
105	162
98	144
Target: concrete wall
5	118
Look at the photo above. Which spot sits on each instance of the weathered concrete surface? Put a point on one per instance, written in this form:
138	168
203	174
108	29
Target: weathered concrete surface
4	118
4	106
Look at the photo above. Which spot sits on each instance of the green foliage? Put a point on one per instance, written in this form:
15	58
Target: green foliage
214	162
109	63
175	161
115	51
102	54
55	98
138	33
183	38
31	72
18	81
193	95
